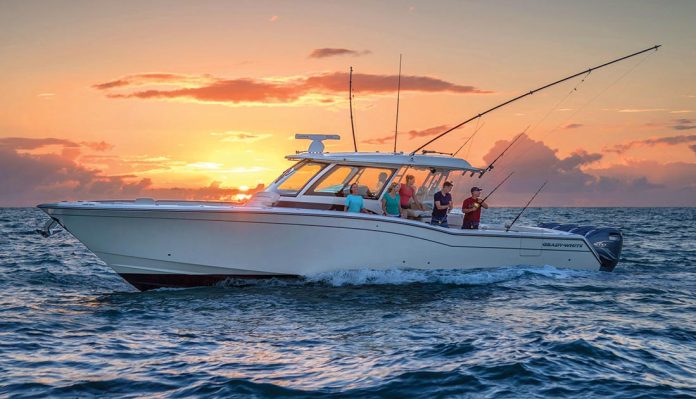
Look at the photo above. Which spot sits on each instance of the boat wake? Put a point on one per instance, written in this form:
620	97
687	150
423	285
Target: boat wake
365	277
455	277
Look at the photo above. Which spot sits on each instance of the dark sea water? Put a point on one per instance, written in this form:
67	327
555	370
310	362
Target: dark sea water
70	327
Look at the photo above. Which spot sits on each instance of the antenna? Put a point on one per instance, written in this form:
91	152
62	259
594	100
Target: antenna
350	101
398	91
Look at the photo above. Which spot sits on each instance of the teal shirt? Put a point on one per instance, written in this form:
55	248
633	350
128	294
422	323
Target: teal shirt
354	203
392	204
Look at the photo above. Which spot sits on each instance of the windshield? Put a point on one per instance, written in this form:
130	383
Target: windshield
337	181
298	177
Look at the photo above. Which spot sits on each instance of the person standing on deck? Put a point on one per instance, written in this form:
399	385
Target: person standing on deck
472	209
354	201
443	204
407	192
390	201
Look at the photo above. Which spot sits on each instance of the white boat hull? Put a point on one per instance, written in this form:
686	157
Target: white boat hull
156	246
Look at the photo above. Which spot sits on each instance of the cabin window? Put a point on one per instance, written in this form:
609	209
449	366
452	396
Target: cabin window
299	178
371	181
334	182
337	182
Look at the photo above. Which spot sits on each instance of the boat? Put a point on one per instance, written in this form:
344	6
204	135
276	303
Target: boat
297	227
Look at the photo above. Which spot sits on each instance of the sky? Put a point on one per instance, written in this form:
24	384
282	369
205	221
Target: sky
201	99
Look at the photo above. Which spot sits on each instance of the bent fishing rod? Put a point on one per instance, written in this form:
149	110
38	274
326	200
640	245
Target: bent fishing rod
508	227
530	93
496	187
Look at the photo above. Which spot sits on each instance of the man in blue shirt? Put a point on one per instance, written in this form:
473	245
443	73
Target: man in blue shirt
443	204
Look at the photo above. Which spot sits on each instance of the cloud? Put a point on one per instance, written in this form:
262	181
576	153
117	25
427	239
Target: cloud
577	159
332	52
671	140
98	146
155	79
572	126
412	134
26	143
380	140
273	18
427	132
675	178
681	111
28	179
241	137
70	149
572	181
693	147
638	110
317	88
684	124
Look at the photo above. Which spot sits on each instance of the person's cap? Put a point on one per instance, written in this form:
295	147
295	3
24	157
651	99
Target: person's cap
475	189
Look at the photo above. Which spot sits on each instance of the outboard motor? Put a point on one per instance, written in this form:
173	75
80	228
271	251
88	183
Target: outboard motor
607	241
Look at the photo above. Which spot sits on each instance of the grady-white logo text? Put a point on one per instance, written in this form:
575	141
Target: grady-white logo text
561	245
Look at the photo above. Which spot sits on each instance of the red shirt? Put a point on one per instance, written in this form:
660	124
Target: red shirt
406	192
474	216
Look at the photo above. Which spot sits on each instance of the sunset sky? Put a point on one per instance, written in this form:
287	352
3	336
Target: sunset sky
195	99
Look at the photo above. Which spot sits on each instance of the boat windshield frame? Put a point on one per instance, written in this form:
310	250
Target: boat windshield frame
390	171
288	173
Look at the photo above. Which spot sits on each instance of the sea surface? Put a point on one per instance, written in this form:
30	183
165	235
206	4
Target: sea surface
70	327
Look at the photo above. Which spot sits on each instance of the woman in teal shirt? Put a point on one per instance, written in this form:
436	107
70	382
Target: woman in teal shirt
391	200
354	202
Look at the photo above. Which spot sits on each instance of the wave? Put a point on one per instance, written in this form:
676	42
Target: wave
340	278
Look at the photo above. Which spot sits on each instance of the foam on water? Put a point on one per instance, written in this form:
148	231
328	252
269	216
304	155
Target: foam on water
456	277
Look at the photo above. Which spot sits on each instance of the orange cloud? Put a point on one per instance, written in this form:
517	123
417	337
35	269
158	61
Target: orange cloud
98	146
277	91
427	132
572	182
379	140
241	137
26	143
684	124
154	78
28	179
412	134
671	140
332	52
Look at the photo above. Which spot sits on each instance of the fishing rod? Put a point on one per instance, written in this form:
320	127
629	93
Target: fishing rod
507	227
496	187
467	140
490	167
350	101
398	91
530	93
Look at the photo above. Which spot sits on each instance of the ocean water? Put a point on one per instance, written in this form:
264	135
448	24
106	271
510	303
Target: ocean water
70	327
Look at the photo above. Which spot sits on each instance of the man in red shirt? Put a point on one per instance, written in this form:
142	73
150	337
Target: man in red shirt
472	209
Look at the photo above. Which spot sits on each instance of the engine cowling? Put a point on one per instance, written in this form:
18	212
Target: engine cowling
607	241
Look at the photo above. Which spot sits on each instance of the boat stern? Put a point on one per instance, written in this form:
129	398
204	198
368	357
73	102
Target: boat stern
606	241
